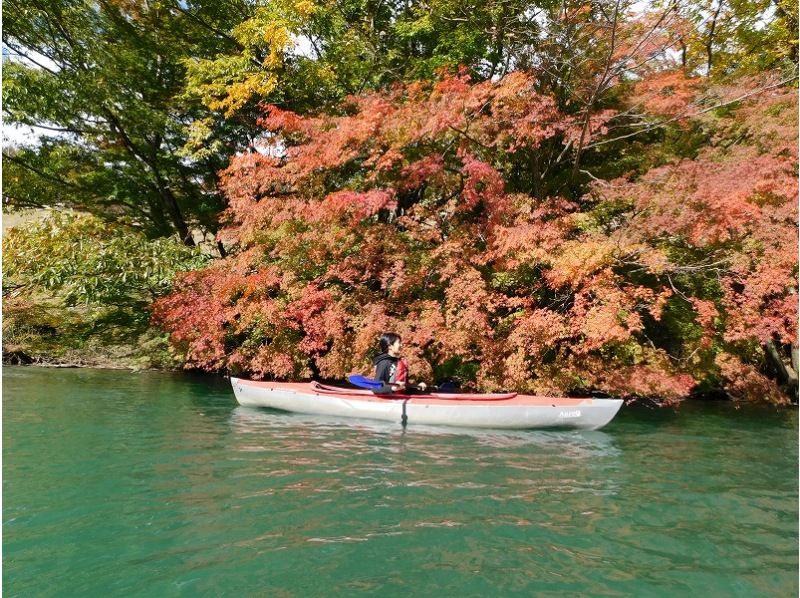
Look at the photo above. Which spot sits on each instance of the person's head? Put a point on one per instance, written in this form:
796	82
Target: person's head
390	343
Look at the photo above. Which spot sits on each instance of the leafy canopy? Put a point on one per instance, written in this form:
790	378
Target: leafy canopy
107	80
81	259
408	212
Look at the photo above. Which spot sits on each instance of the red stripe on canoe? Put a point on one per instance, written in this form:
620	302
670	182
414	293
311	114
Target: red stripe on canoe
442	396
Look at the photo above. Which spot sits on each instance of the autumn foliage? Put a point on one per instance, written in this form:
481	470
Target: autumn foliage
425	210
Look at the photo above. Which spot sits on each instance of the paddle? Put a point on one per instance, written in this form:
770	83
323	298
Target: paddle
371	384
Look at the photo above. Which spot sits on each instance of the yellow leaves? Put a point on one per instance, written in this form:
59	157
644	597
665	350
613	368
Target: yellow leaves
197	146
229	82
579	259
237	94
305	8
265	33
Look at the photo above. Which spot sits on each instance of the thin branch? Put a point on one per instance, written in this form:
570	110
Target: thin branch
468	136
18	51
41	173
688	114
218	32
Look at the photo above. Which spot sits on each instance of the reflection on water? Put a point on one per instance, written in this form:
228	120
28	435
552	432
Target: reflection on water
159	484
374	457
577	443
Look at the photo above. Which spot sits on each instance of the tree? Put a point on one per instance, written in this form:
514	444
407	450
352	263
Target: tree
727	38
405	211
82	259
303	56
107	79
721	231
77	289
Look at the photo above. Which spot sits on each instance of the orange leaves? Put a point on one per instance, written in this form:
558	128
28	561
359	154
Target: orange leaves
467	308
669	93
414	211
576	260
723	228
356	205
726	192
762	305
522	117
604	313
656	308
537	331
745	382
657	380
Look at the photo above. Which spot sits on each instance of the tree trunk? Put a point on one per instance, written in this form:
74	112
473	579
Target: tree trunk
176	216
710	42
537	176
787	374
497	51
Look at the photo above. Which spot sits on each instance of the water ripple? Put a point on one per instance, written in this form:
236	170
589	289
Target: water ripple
156	484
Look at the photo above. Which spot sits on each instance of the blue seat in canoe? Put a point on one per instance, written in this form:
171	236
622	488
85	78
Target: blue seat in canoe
364	382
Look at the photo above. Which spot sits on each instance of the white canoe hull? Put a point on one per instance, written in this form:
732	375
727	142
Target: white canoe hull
517	412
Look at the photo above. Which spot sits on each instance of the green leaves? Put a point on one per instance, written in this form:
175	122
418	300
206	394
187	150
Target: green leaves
83	260
107	79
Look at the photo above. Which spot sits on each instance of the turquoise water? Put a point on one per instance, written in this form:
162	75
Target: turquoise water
153	484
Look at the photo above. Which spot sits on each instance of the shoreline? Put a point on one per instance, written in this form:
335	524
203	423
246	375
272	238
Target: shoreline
713	396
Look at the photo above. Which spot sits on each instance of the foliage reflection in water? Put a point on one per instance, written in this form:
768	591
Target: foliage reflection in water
159	484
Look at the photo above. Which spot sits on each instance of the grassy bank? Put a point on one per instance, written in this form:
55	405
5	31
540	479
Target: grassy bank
45	333
77	290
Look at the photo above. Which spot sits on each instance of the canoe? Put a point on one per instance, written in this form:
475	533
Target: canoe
502	411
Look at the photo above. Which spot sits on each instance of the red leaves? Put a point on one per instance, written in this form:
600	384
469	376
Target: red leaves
422	172
482	183
745	382
668	93
395	214
383	133
357	205
323	323
278	120
196	318
706	315
726	222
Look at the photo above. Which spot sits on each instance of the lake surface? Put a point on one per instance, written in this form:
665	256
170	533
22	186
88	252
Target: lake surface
157	484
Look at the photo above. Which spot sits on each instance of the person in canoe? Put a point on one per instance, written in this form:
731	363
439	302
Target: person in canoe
390	367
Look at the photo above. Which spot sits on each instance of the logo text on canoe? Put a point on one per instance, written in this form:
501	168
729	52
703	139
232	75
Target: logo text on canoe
568	414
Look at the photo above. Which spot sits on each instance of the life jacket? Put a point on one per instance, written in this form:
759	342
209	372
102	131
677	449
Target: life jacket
402	371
